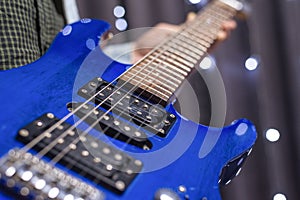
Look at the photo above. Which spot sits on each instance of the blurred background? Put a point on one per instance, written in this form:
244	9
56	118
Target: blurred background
260	66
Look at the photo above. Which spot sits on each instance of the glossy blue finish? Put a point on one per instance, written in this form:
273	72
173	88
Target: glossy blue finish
52	81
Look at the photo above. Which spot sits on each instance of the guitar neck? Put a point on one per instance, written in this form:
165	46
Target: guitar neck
161	72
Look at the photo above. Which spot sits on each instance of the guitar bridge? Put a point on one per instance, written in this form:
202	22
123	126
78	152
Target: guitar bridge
26	176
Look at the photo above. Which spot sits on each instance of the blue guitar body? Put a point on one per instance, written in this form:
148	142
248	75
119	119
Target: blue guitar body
186	164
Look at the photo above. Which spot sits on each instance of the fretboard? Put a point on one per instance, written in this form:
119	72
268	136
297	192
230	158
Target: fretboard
161	72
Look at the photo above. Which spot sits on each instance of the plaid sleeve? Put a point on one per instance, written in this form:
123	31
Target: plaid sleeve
27	30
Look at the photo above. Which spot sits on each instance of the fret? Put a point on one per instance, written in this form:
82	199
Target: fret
205	33
153	82
208	32
174	62
185	56
190	48
184	50
203	39
224	6
208	20
171	66
196	43
179	58
220	14
163	70
157	76
225	10
200	47
217	11
146	82
175	76
149	88
187	68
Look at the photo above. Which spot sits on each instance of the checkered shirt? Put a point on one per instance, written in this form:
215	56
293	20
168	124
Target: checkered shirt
27	30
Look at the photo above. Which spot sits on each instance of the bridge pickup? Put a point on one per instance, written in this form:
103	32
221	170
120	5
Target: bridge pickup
90	157
111	126
152	117
28	177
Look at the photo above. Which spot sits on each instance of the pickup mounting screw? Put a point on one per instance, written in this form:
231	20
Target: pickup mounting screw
93	84
39	123
120	185
24	133
84	91
50	115
162	131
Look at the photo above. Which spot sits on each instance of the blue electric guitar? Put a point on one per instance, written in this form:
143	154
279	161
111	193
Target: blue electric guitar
77	125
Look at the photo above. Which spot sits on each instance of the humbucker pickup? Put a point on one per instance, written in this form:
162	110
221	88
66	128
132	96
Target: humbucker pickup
124	102
90	157
111	126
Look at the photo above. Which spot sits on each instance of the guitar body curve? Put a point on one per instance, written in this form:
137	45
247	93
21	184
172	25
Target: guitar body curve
175	163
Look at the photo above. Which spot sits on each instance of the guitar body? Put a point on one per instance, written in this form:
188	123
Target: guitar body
187	162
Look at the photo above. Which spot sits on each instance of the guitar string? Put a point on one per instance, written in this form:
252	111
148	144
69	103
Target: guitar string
49	130
57	124
67	149
90	98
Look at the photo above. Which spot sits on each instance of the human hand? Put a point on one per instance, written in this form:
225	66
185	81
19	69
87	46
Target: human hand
161	31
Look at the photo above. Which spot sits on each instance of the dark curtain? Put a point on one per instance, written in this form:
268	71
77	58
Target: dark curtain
268	96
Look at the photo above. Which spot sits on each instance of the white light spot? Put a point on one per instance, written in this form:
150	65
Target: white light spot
121	24
251	64
40	184
206	63
165	197
67	30
238	172
119	11
272	135
69	197
53	193
241	129
279	196
195	1
10	171
85	20
26	176
90	44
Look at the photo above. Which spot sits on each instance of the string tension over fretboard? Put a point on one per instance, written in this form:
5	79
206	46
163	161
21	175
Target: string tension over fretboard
161	72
